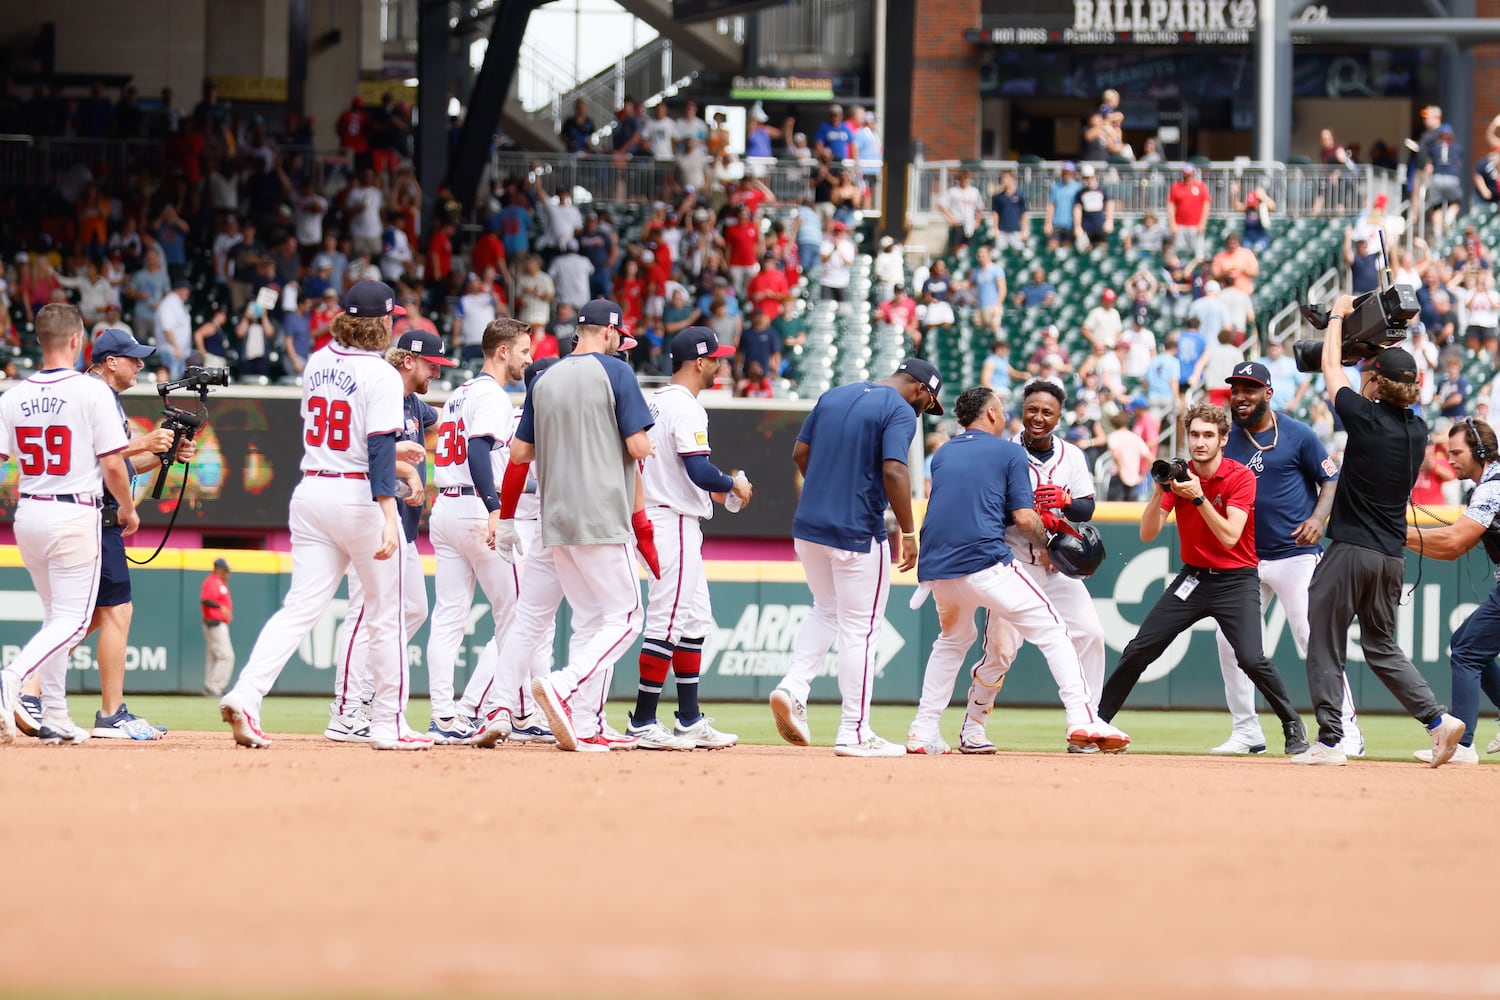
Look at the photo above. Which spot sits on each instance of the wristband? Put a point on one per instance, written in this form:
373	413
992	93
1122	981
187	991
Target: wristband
908	534
1335	317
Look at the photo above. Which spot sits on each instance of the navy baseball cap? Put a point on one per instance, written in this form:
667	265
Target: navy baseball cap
603	312
221	563
1395	364
113	343
425	345
698	342
1250	371
371	299
536	368
182	283
926	373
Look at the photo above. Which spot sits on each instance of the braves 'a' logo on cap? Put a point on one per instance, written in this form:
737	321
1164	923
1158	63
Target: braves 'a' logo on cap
1246	369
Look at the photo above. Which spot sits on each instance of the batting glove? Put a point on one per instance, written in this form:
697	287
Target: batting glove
645	541
506	540
1057	525
1050	497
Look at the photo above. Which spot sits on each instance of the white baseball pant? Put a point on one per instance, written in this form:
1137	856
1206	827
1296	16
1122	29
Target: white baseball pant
1074	605
59	544
600	584
336	527
218	659
849	592
1288	579
525	651
678	604
457	529
352	682
1017	609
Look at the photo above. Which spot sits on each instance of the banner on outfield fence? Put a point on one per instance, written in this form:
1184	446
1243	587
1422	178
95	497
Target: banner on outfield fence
758	608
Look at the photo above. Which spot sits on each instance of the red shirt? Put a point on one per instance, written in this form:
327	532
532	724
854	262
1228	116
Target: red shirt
743	240
488	252
545	346
440	249
1232	485
769	280
351	130
1190	198
751	197
631	294
660	271
216	590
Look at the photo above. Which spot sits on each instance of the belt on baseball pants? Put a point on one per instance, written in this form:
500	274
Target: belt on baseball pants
458	491
1211	571
81	499
335	475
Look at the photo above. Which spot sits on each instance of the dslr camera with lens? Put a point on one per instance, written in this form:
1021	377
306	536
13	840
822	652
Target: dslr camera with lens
1164	471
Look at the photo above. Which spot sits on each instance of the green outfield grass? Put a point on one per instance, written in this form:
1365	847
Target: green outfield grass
1387	737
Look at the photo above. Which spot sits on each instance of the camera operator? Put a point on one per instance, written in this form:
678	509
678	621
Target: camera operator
117	359
1360	574
1214	498
1473	451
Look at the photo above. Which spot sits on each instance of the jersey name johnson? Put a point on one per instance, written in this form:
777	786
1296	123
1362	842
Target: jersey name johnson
347	395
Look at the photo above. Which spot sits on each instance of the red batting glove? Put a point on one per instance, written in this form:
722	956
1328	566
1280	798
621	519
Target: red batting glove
1057	525
1050	497
645	541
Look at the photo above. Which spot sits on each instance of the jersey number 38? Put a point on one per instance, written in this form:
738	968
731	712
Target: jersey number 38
328	423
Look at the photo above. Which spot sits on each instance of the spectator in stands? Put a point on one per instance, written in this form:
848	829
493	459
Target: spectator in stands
1436	472
476	309
1188	204
1209	311
1008	214
890	268
1093	211
1140	343
147	288
254	338
1164	379
692	134
837	256
111	320
396	257
1487	168
1048	348
960	208
768	291
1420	346
756	384
1038	292
833	135
1443	176
1103	324
900	311
1288	385
998	373
660	133
535	293
1482	309
94	291
1236	265
628	139
173	327
1363	263
296	334
743	239
1216	365
571	274
1453	389
1131	458
760	345
577	133
1147	238
363	203
1058	224
562	217
988	281
1256	209
1437	307
514	224
937	315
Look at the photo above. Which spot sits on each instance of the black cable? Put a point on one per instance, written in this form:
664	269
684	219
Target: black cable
187	468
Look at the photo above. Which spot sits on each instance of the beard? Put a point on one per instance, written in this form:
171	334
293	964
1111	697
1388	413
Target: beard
1255	416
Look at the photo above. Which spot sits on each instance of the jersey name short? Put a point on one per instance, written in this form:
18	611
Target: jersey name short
347	396
1064	466
681	429
56	425
478	408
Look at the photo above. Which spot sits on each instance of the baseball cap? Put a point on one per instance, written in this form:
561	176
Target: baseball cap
371	298
1446	131
1382	200
181	283
1108	295
1211	286
1139	403
425	345
117	343
221	563
698	342
1088	170
322	262
839	227
1250	371
1396	365
927	374
603	312
1188	170
1070	165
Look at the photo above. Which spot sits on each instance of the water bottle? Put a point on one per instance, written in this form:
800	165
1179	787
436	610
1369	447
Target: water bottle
732	502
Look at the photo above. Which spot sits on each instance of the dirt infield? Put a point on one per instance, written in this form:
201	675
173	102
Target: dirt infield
194	868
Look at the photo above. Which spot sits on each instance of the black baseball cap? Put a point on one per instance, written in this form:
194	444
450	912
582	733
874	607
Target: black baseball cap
926	373
221	563
113	343
1396	365
536	368
369	298
1250	371
698	342
424	345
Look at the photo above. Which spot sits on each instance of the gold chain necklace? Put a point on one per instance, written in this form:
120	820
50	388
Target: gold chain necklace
1275	436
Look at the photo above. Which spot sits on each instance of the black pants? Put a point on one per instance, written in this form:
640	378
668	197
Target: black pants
1353	581
1232	599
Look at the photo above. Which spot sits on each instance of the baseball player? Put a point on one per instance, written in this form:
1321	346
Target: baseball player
343	514
1295	482
680	484
1472	450
587	423
852	452
982	497
116	361
474	435
65	432
1063	487
418	356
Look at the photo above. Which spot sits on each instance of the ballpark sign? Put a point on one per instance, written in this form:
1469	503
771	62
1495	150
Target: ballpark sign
1138	22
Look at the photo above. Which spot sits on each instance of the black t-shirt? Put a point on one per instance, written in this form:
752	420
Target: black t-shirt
1381	461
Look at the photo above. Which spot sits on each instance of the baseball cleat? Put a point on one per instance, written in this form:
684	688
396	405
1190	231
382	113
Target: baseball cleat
62	731
871	746
1101	734
972	738
1084	748
1353	744
931	745
1494	746
531	729
556	710
617	740
246	728
409	739
352	728
1240	746
1445	739
455	730
703	735
1321	754
494	730
593	744
1295	735
655	736
1461	755
7	707
791	718
28	714
123	725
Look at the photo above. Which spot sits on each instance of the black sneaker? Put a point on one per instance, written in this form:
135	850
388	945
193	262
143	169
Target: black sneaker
1296	737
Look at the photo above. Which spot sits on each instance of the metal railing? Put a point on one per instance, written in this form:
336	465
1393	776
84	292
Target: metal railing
637	178
1299	190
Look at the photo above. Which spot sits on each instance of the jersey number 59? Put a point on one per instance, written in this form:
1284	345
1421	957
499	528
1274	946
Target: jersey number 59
328	423
46	450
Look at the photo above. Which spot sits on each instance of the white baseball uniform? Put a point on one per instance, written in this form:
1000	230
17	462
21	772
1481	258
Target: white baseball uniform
677	605
478	408
535	652
58	424
348	396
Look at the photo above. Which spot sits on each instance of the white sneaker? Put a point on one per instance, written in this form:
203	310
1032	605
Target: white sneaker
409	739
655	736
452	731
559	719
703	735
10	691
931	745
972	738
1494	746
61	730
1445	739
495	729
351	728
872	746
1101	734
791	718
1353	744
1461	755
1320	753
1240	746
246	727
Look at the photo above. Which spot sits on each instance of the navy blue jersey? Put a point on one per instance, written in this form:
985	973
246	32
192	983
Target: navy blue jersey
977	480
851	432
1287	478
418	417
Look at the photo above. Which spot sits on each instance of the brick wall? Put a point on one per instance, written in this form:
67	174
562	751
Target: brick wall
1486	82
945	80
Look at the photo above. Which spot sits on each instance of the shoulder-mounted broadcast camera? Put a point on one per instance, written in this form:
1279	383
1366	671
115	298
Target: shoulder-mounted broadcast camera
1379	320
182	423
